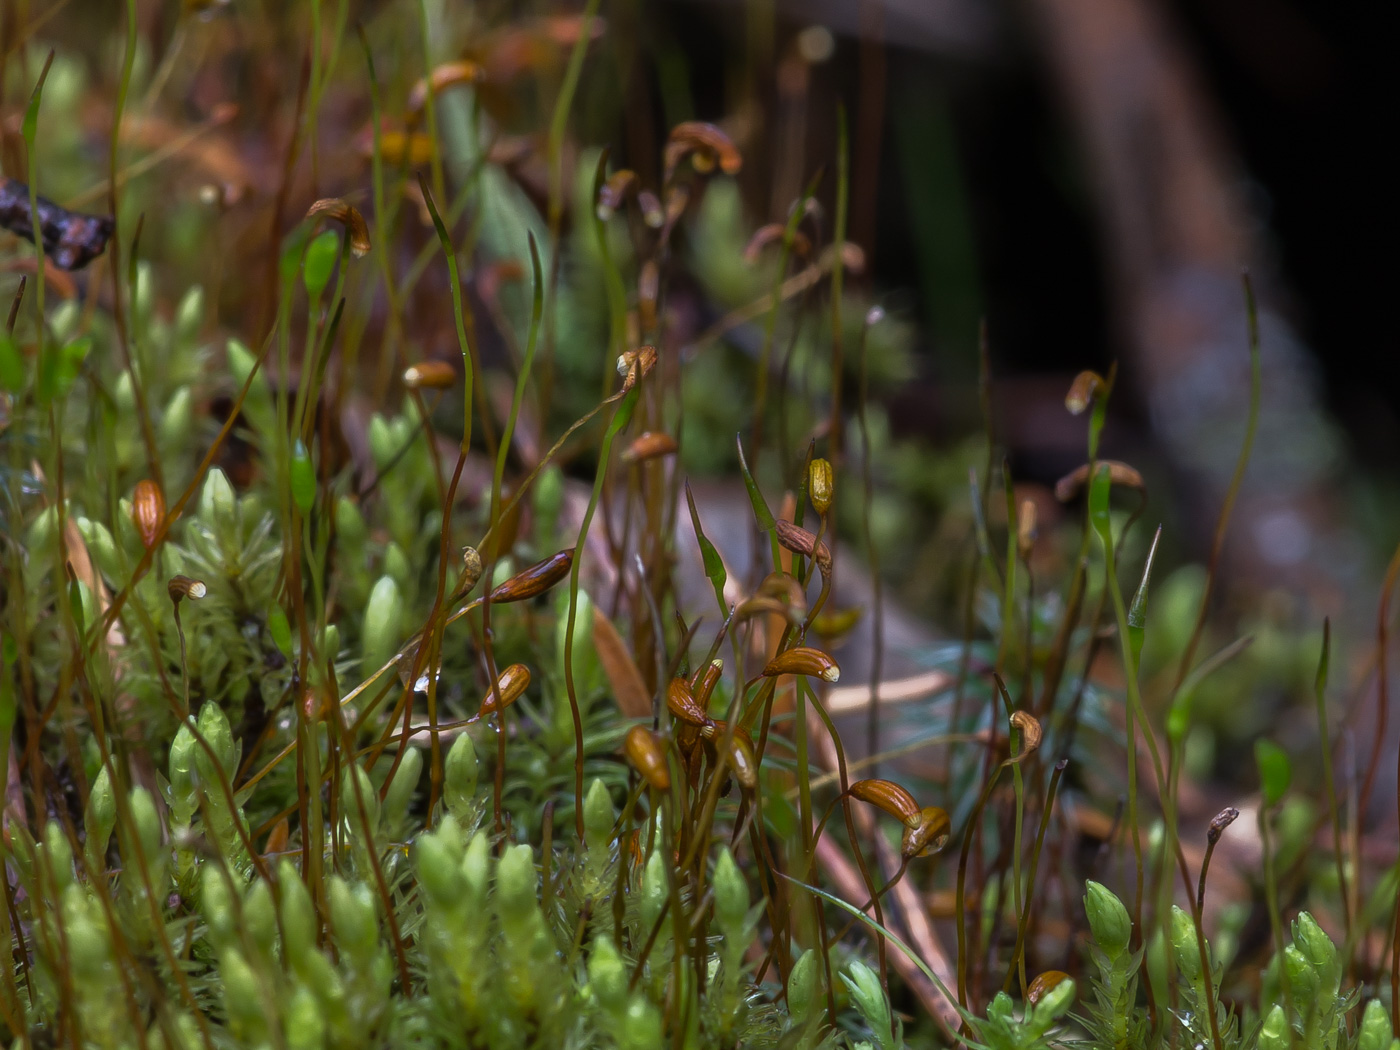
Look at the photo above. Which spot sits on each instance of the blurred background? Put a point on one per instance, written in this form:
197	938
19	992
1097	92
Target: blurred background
1070	183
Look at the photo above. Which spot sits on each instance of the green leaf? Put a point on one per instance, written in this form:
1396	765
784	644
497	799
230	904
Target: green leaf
12	366
760	505
280	630
1324	660
31	114
303	478
1275	771
75	605
891	937
714	564
290	260
321	255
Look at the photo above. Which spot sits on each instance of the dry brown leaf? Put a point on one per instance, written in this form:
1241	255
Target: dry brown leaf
633	697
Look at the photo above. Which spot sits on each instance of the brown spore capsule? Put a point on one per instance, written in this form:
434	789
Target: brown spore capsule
804	660
534	581
647	753
429	375
147	511
511	683
1043	984
681	702
800	541
929	837
890	797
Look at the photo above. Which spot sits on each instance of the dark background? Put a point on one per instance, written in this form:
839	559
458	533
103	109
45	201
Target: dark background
995	215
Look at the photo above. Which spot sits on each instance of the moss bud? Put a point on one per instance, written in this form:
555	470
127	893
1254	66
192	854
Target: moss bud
147	820
731	896
350	525
1302	978
260	917
868	995
179	415
1108	919
439	869
1185	948
353	795
516	882
353	917
476	869
298	912
401	788
89	951
242	998
598	816
379	634
1320	952
216	500
100	819
655	889
216	904
306	1026
459	777
182	788
60	855
804	984
218	734
608	975
1375	1032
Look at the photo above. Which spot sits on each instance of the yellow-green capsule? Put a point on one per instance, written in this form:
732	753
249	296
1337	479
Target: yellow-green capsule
820	483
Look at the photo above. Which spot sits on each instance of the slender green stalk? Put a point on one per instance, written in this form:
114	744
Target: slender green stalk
620	419
1329	782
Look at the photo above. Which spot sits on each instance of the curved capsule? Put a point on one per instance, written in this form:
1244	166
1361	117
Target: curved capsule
647	753
471	569
800	541
710	145
652	212
681	702
773	233
929	837
742	761
345	213
1086	387
889	796
1031	733
804	660
1119	474
740	756
460	71
613	193
534	581
762	606
635	364
703	682
181	587
511	684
